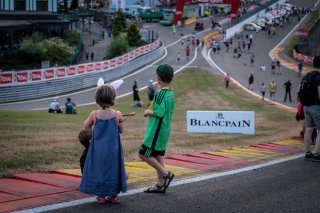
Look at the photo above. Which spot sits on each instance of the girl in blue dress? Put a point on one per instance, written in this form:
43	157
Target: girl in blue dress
104	173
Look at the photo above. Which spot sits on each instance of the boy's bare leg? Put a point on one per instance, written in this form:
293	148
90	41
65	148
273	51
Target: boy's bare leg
160	176
154	163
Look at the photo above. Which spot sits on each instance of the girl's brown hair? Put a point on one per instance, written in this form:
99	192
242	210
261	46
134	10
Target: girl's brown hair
105	96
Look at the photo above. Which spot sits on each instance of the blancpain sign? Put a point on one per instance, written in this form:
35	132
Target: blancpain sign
220	122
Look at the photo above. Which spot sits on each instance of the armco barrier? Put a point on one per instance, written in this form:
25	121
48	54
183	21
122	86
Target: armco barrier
304	58
34	90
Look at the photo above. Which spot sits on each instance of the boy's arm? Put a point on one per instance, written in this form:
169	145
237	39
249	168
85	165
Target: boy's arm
149	112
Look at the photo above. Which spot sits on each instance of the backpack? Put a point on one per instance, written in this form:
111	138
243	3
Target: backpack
308	91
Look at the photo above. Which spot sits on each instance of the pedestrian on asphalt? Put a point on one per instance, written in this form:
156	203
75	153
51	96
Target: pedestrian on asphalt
104	173
187	52
92	56
279	66
272	90
193	42
87	56
156	139
249	46
300	67
214	48
227	80
287	86
251	38
250	81
273	67
312	118
178	57
218	47
243	46
174	30
136	97
263	68
269	32
252	57
263	90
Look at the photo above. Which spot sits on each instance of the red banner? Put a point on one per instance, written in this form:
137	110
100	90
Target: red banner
98	66
301	57
71	71
126	58
136	52
48	74
131	55
61	72
113	63
6	78
119	61
147	48
81	69
105	65
89	67
141	50
36	75
22	77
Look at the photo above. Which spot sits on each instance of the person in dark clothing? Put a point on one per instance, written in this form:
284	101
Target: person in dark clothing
84	138
70	107
136	97
92	55
288	85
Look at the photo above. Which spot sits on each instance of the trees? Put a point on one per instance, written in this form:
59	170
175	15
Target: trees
118	46
133	36
36	48
119	24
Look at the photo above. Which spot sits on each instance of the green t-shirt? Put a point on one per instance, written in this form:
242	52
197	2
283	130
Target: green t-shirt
158	128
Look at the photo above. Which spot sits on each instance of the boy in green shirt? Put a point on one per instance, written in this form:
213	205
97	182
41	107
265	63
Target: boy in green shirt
158	129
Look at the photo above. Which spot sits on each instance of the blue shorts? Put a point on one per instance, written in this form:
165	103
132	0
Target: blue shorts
312	116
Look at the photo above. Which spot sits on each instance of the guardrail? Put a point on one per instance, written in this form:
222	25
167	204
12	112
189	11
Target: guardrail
304	58
44	88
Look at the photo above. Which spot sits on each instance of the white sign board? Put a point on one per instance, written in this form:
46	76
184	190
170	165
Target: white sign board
221	122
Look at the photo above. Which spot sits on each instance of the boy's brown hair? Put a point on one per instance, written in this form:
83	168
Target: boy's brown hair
105	96
85	137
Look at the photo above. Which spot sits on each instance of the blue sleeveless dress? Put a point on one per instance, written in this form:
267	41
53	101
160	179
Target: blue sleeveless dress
104	172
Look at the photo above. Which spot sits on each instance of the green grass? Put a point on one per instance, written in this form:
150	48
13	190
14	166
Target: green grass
36	141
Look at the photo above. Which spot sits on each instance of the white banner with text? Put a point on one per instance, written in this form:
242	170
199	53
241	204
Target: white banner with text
221	122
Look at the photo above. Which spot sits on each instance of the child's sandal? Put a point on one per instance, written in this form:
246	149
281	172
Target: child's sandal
101	200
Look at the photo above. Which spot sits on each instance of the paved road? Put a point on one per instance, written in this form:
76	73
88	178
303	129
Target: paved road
240	68
291	186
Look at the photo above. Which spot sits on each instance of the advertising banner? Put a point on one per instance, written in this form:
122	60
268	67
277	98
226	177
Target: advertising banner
22	77
81	69
6	78
119	61
89	67
221	122
105	65
36	75
48	74
113	63
71	71
97	66
141	50
136	52
61	72
131	55
126	58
